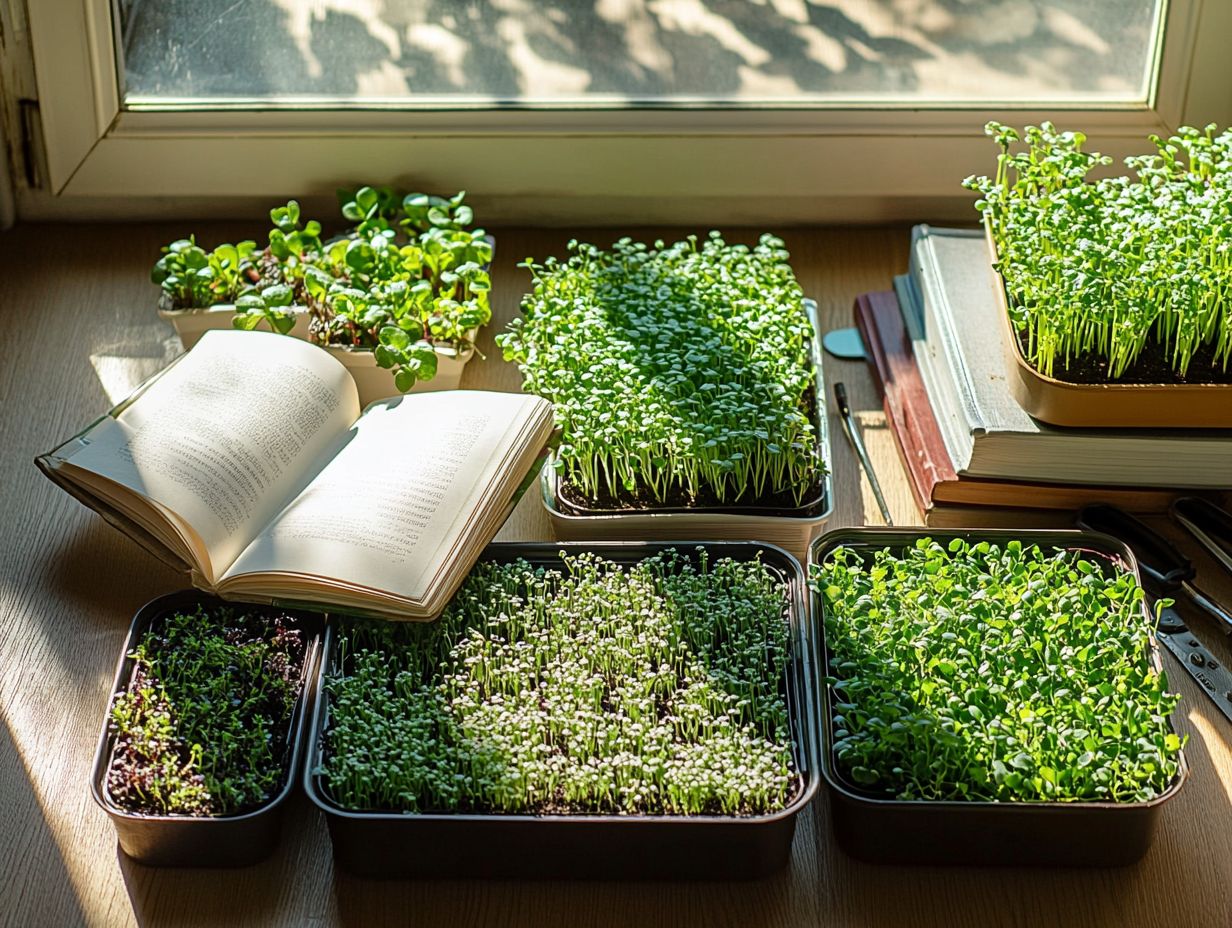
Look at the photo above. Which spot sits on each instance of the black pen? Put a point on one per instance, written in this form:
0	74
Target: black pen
852	428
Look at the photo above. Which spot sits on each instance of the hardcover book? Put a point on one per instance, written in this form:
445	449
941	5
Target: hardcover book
934	482
949	310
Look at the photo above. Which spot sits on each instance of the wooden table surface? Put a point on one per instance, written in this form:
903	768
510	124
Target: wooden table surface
80	330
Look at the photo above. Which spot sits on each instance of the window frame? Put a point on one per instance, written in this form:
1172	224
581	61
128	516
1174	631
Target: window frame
570	163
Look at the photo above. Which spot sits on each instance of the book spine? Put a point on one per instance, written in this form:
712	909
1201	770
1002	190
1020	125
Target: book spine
941	392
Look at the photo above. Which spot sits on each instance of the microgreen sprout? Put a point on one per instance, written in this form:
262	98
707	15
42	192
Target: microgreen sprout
1105	268
202	728
679	370
656	688
993	672
193	278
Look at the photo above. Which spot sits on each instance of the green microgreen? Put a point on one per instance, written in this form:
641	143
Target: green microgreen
193	278
203	727
679	370
408	277
657	688
982	671
1103	268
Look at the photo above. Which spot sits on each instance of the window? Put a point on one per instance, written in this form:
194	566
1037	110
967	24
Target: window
621	53
604	111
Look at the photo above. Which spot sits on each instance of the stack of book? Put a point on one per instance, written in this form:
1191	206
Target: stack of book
973	455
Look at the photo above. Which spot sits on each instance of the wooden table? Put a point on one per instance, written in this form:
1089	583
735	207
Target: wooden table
80	329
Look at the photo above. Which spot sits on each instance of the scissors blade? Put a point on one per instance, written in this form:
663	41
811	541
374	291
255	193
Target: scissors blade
1208	671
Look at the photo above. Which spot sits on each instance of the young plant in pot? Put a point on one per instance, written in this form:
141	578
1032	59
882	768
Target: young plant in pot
398	298
991	699
203	731
687	385
1113	291
613	710
200	288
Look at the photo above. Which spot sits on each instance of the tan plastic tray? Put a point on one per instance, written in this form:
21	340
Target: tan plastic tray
1105	405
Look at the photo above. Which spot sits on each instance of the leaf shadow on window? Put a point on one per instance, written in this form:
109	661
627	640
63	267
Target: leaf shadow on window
641	51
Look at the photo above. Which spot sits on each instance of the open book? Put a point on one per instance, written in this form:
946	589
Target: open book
248	462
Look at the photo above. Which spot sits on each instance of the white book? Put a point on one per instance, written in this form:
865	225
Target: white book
249	463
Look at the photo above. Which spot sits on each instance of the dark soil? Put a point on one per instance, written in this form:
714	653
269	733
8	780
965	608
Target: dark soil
1152	367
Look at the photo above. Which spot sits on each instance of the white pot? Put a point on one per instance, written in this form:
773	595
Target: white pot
377	383
191	324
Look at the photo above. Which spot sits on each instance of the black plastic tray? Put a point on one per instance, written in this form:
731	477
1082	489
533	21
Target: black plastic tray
202	841
374	844
1055	834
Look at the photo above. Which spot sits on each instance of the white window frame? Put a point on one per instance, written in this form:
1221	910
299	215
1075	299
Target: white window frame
861	160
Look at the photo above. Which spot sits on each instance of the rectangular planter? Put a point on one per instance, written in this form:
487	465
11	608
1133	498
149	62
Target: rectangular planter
386	845
794	533
1112	405
191	324
1051	834
201	841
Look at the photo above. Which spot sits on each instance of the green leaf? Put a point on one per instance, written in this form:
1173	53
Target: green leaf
404	380
395	338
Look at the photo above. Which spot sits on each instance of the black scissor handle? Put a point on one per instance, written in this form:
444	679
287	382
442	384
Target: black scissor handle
1209	525
1163	568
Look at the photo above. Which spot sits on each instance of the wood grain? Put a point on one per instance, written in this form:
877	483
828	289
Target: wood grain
79	314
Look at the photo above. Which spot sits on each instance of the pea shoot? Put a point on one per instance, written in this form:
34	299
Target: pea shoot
657	688
994	672
1114	267
678	371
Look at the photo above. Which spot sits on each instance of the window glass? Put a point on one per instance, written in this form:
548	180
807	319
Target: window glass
636	52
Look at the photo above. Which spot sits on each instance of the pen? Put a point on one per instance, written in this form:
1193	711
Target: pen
852	428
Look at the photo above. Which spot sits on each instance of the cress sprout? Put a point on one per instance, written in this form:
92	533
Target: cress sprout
1114	267
678	371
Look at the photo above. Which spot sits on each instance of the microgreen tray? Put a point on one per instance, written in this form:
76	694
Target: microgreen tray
549	846
1104	405
789	529
1036	833
202	841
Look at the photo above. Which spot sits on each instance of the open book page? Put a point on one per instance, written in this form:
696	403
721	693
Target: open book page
225	438
386	514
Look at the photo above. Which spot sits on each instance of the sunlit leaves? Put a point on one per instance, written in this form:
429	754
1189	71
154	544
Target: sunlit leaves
1103	268
593	688
993	672
674	370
